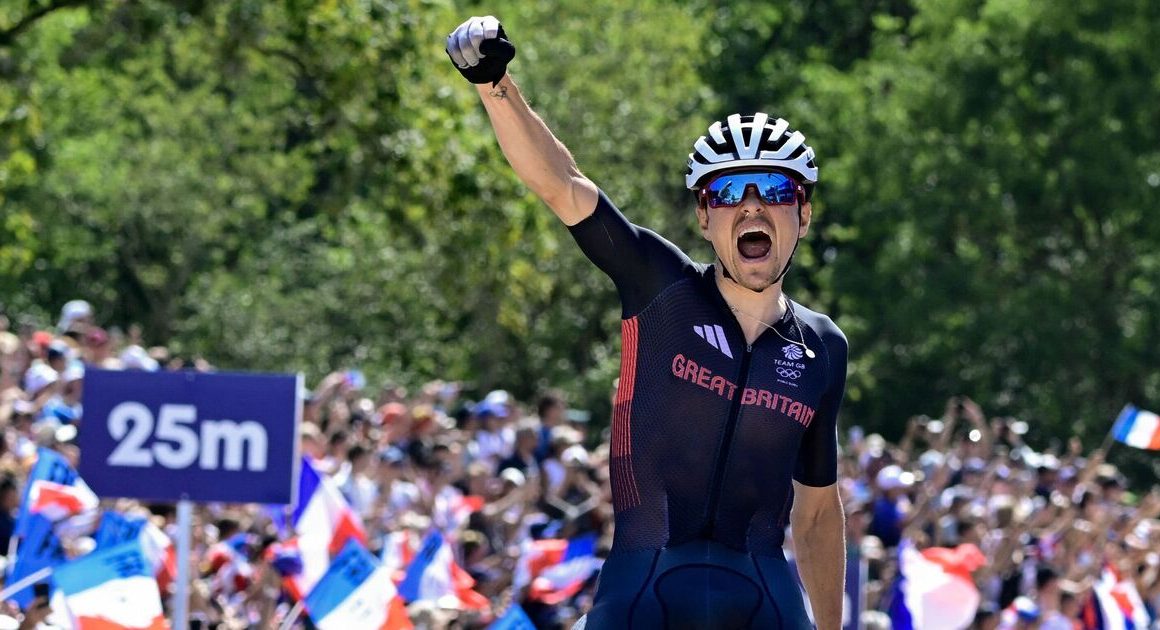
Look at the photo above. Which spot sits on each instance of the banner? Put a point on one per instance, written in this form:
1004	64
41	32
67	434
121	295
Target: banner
169	436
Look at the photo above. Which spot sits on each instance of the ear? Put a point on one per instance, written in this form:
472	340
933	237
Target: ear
807	211
703	217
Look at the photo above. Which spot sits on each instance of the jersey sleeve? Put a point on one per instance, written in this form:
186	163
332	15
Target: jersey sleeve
817	462
640	262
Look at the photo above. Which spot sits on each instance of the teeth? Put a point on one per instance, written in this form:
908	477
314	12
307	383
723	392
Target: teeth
755	229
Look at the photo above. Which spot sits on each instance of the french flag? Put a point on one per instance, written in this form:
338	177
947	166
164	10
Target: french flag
1115	605
356	592
324	522
50	467
111	589
555	569
934	590
231	568
398	552
1138	428
435	576
57	501
117	528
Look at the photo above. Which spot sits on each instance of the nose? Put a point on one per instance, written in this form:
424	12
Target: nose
751	200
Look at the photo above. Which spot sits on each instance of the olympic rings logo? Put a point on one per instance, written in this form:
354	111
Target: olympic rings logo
788	373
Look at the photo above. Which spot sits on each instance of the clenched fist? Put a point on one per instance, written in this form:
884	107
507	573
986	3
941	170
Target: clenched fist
480	50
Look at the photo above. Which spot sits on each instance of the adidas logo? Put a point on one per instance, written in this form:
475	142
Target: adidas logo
715	335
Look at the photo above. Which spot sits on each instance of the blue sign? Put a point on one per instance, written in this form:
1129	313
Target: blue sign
168	436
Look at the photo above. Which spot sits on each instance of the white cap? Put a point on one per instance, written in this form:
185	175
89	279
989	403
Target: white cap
39	376
74	371
72	311
513	475
497	397
574	454
892	477
136	358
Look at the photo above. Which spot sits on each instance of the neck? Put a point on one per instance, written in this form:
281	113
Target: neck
768	305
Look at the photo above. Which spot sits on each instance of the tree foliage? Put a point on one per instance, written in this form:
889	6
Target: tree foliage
305	185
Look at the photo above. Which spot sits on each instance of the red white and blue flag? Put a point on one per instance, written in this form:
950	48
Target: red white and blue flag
35	543
398	551
556	569
324	522
116	528
356	592
435	576
934	590
57	501
53	468
1138	428
110	589
1115	605
230	565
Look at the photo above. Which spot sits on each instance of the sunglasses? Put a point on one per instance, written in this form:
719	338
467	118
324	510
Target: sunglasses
773	188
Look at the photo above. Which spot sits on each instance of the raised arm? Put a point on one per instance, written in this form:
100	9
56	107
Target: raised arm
480	50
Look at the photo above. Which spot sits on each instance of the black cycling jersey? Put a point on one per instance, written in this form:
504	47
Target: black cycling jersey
707	433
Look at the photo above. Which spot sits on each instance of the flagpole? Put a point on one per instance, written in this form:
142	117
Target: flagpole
24	582
1110	438
181	596
292	616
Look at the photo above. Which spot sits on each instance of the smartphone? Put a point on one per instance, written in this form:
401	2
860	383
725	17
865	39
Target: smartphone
356	379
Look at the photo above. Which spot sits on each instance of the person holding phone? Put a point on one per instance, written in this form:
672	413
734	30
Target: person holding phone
724	428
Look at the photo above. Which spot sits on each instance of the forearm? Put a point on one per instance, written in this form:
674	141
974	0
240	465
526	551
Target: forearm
539	159
820	549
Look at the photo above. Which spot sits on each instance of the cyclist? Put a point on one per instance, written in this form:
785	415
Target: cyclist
725	416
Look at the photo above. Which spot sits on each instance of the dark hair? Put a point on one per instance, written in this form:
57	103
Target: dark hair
1044	575
356	452
227	527
964	526
548	400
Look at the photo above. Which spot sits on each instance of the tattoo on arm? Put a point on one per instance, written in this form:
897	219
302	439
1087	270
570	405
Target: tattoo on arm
499	91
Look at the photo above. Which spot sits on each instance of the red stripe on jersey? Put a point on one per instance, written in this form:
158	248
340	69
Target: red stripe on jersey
622	409
625	492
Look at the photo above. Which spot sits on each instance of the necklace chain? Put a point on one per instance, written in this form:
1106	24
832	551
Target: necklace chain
789	309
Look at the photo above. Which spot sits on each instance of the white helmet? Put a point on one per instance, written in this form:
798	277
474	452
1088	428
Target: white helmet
753	140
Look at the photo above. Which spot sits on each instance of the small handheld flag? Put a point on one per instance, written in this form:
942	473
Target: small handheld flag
356	592
1138	428
112	588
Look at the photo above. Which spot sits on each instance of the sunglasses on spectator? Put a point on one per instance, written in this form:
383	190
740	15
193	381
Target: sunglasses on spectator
772	187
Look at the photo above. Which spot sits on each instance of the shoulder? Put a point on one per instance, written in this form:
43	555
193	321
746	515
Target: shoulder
822	325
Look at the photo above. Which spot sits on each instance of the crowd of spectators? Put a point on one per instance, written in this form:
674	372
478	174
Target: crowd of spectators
1048	523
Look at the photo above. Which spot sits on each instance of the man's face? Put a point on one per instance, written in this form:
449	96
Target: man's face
753	239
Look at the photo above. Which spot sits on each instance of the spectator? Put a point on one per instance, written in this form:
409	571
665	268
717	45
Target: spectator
892	507
523	457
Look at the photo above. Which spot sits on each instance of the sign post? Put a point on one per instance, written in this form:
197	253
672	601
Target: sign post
184	535
188	437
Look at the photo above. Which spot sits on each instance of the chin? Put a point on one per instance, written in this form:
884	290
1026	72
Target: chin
755	279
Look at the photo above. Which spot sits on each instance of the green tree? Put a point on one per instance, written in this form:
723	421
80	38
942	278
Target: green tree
990	173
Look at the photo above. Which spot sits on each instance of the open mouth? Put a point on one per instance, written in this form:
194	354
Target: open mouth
754	245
